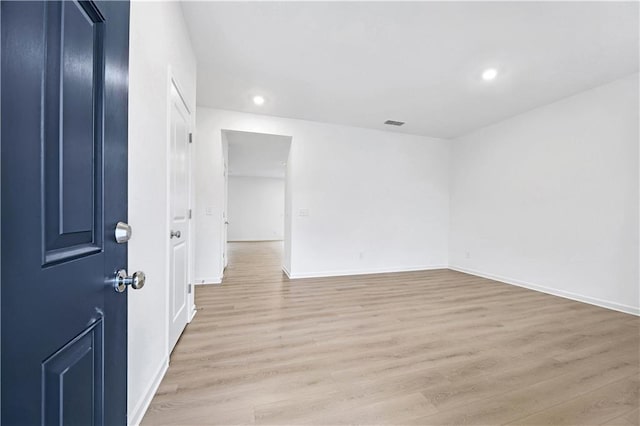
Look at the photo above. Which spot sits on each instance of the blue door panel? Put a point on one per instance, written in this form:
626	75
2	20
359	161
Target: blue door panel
73	137
81	69
72	381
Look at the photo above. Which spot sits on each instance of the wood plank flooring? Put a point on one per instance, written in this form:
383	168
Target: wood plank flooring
416	348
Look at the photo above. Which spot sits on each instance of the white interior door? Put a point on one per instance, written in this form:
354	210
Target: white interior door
179	217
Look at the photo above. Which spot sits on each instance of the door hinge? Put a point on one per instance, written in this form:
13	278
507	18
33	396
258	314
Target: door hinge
190	285
190	213
190	137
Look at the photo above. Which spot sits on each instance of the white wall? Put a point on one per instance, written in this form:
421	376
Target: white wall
377	201
158	41
256	209
549	199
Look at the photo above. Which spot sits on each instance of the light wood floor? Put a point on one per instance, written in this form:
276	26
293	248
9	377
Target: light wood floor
416	348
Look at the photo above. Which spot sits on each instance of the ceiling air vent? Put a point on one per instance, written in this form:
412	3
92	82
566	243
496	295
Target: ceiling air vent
394	123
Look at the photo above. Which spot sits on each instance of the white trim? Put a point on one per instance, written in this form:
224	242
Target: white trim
256	241
363	271
137	414
286	271
192	314
627	309
224	255
167	241
205	281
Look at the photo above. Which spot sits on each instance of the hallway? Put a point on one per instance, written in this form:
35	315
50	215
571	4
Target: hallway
430	347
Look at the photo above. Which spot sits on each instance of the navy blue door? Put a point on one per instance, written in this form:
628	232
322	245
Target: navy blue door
64	188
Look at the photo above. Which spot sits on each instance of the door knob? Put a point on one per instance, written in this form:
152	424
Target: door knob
123	232
175	234
122	280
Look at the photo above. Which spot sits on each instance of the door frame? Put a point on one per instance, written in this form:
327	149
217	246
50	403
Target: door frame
288	199
225	218
225	204
172	81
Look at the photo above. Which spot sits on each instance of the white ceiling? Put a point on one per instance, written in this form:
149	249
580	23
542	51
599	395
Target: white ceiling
361	63
257	154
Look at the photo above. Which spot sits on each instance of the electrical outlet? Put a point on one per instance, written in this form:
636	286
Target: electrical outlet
361	255
467	255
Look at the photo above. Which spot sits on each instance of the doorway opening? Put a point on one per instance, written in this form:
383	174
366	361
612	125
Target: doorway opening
257	191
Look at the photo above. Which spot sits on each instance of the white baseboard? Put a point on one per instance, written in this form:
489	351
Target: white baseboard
627	309
205	281
192	314
363	271
266	240
140	409
286	271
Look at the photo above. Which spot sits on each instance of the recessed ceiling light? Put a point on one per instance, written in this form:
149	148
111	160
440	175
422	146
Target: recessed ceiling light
258	100
489	74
